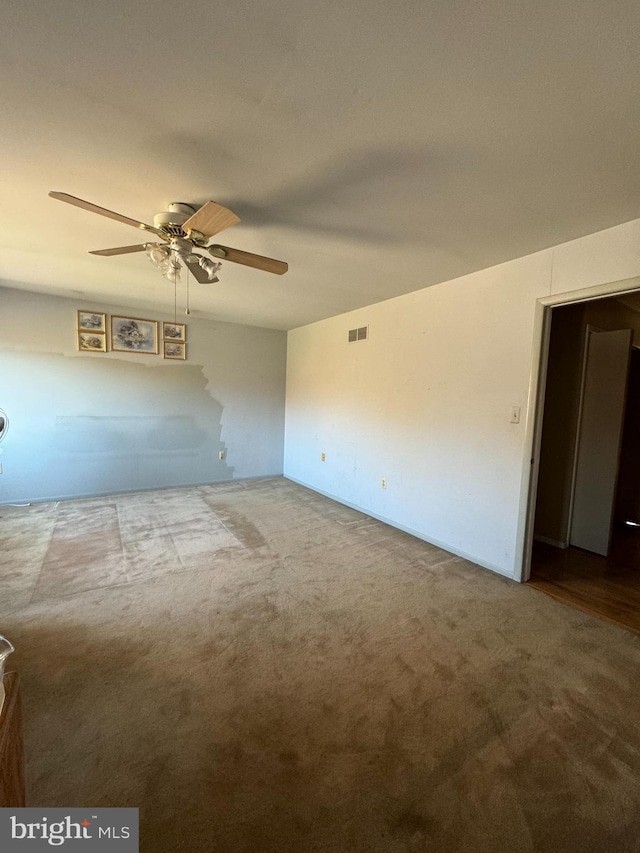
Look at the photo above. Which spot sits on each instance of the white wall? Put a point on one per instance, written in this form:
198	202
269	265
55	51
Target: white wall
90	423
425	402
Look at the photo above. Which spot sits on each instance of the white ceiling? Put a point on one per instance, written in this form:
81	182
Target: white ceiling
378	147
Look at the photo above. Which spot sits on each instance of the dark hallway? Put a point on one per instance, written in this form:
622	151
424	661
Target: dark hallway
609	586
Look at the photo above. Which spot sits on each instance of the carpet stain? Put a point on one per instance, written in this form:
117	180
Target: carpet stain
444	672
242	528
409	822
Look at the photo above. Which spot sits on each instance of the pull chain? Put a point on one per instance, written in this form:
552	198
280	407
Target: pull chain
175	295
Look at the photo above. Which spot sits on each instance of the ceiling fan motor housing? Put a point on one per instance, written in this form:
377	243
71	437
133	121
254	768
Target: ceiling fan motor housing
172	219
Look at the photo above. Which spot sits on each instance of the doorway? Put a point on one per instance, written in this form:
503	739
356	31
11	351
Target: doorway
586	545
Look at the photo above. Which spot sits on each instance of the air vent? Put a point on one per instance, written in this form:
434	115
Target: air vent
360	334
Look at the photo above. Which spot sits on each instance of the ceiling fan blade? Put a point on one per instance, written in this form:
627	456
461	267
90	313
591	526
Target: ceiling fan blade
122	250
93	208
210	219
199	274
258	262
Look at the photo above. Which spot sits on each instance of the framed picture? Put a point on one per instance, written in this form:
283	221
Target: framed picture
92	321
174	332
92	341
131	334
175	349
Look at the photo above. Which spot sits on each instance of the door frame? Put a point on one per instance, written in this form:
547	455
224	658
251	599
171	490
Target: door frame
535	407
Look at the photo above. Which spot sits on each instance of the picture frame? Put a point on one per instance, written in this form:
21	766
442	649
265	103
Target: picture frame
174	332
92	341
133	334
92	321
176	350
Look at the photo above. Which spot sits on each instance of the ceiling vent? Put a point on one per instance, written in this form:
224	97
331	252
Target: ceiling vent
360	334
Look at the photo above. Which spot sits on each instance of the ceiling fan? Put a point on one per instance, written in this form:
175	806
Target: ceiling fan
183	229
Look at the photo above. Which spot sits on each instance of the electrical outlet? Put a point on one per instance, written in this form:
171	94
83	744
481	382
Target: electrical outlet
222	454
383	482
323	457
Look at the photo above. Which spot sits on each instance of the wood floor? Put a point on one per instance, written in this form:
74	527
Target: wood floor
608	587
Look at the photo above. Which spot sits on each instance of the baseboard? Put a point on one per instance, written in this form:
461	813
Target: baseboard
418	534
88	496
548	541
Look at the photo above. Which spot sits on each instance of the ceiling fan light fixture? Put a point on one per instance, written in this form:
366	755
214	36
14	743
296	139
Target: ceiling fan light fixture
157	254
210	267
170	268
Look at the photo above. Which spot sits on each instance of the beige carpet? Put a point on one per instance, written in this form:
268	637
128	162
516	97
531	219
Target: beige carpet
261	669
